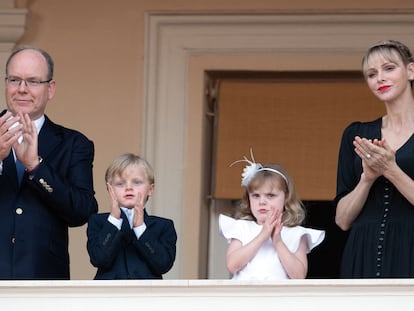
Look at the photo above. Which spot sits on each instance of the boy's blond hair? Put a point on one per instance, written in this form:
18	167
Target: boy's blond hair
118	166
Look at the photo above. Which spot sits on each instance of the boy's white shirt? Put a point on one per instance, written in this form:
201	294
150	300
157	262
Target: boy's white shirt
130	215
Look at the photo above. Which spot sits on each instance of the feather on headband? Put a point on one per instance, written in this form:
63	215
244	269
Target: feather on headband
252	168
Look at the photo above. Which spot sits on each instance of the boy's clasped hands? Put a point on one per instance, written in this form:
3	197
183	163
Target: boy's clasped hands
138	207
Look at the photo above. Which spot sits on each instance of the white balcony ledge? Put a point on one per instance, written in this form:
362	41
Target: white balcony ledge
390	294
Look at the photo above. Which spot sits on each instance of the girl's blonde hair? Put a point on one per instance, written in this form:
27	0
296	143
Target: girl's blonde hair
294	212
119	164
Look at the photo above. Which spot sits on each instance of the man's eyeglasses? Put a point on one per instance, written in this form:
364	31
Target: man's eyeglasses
33	83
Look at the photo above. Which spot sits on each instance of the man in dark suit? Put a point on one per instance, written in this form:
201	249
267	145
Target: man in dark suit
55	190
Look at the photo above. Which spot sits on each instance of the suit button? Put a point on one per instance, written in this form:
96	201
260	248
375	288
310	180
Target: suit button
19	211
13	240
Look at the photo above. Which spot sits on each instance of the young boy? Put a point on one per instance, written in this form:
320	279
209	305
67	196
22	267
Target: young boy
127	243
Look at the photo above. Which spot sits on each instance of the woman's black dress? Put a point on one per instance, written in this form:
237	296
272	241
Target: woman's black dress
381	239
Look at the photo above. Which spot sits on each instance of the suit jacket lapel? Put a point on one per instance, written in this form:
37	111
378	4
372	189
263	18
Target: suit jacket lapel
9	167
49	138
128	233
147	219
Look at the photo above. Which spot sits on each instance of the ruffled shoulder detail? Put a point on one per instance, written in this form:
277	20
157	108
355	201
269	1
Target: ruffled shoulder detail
231	228
292	236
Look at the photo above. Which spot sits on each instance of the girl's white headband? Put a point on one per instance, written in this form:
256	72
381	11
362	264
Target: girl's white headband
252	168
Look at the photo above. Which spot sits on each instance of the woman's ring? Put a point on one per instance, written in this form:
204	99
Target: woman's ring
368	156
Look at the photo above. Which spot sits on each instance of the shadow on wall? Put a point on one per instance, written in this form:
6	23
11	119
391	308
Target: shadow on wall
324	261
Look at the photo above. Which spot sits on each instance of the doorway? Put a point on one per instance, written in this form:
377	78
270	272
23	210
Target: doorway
295	119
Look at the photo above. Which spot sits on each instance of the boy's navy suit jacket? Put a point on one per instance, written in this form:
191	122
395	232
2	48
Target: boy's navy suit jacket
118	254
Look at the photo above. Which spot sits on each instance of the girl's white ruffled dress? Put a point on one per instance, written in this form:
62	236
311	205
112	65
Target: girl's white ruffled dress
266	264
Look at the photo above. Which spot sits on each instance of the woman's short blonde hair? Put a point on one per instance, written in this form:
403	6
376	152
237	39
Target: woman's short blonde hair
390	50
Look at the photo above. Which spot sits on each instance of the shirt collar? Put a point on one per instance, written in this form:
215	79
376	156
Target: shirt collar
39	123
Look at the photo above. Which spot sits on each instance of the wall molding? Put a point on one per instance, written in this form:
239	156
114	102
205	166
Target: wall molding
12	28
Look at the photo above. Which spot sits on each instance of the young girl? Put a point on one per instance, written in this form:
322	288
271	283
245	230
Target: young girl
127	243
266	242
